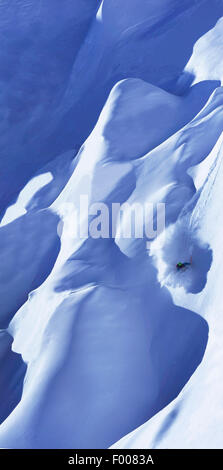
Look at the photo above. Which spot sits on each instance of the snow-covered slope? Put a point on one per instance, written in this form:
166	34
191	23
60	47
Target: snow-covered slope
194	419
101	336
39	42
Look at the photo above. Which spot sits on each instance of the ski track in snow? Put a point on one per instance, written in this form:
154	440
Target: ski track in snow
103	342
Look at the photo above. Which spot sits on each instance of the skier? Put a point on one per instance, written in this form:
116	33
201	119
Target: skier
183	266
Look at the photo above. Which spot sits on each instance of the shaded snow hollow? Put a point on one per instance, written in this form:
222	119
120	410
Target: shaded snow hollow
101	339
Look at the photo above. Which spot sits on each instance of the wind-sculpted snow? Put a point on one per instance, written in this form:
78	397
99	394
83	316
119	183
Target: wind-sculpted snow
13	371
194	419
100	335
98	316
56	109
29	247
39	43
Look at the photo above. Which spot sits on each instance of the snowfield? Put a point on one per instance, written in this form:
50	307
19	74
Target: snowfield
103	342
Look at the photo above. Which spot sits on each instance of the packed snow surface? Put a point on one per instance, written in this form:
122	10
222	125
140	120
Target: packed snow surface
103	342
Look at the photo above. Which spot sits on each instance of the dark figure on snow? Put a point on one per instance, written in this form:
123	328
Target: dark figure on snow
182	265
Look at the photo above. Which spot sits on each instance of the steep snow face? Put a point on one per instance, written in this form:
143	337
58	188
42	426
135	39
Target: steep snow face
131	51
39	43
194	419
204	63
98	291
12	376
30	242
47	117
101	334
118	17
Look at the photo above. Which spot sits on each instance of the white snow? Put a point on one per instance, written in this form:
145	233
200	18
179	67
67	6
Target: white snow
103	342
19	208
